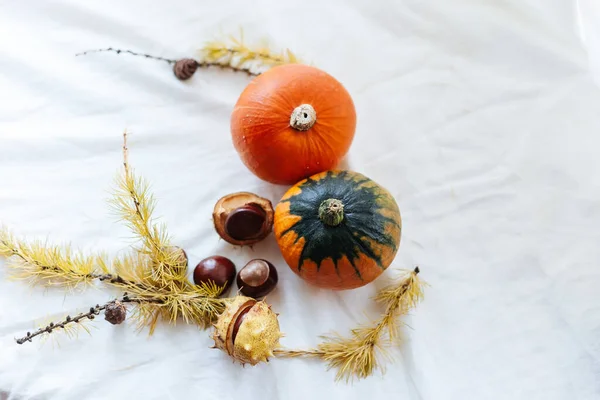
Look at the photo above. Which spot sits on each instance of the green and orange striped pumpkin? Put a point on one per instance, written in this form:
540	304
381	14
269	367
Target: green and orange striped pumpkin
338	229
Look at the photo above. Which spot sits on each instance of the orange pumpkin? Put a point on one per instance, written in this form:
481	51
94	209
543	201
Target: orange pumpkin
338	229
291	122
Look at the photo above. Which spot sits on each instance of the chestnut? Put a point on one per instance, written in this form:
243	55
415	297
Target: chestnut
257	279
218	269
243	218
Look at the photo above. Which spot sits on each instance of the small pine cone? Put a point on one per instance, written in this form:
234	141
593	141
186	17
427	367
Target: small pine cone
185	68
115	312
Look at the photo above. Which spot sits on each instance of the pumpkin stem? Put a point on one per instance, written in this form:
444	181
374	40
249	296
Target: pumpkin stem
331	212
303	117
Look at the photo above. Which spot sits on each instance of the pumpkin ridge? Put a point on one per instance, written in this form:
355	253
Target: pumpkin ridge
374	234
308	207
302	258
362	181
265	122
323	244
367	250
392	222
351	259
324	140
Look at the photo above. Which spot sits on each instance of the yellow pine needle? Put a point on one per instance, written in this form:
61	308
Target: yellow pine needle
198	304
134	205
189	305
51	264
235	54
154	277
156	273
356	356
399	298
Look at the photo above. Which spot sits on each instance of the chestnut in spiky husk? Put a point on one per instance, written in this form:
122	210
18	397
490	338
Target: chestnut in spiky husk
243	218
248	330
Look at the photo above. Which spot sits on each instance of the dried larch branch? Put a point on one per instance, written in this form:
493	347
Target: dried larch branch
356	356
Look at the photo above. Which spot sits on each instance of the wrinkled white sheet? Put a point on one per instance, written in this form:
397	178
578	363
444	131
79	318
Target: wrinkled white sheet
482	118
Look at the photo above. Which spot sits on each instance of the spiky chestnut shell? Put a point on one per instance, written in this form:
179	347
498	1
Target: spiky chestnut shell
247	330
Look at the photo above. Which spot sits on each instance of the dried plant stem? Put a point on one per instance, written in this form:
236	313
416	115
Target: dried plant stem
199	64
234	56
134	205
192	304
132	274
355	356
225	66
144	230
133	53
399	299
54	265
298	353
89	315
155	274
24	257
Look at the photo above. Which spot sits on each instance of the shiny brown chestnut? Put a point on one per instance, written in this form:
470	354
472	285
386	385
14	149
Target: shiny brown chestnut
257	279
243	218
245	222
218	269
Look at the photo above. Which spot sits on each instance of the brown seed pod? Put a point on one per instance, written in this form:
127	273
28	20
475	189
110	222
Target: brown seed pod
248	331
185	68
115	312
243	218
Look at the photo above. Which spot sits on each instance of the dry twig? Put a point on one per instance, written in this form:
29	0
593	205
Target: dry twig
233	55
78	319
356	356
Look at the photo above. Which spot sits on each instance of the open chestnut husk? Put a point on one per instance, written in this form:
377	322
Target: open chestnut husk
257	279
247	330
243	218
217	269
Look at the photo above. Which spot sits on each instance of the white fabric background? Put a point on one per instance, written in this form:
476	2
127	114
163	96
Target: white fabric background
481	117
